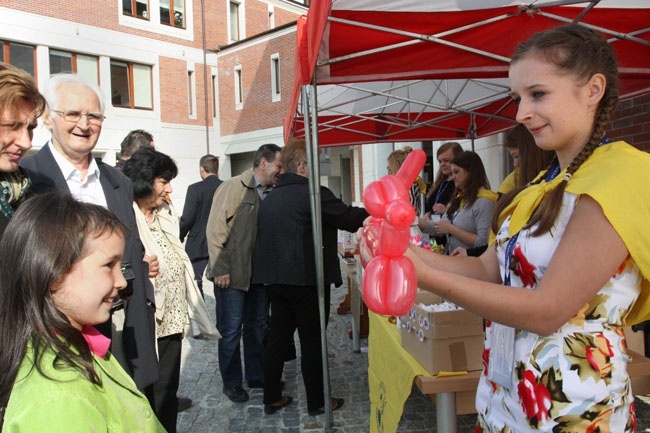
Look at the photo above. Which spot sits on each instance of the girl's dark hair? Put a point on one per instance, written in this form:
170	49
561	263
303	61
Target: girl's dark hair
532	159
476	179
144	167
44	239
457	150
580	53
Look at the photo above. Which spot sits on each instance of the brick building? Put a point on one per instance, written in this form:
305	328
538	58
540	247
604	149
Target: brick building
207	76
158	63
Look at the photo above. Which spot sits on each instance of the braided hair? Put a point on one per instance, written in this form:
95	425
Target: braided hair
579	52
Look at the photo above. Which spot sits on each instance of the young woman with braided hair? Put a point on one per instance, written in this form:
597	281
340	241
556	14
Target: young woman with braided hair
569	266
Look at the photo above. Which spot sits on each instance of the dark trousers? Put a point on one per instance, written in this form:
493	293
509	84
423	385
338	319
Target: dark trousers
199	266
164	400
295	307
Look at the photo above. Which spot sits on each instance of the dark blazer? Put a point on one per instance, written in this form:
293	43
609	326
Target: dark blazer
285	246
139	332
196	211
4	221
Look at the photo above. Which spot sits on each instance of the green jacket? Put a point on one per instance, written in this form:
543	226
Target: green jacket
67	402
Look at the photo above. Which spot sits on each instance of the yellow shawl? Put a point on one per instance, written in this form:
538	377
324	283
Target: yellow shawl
617	176
482	193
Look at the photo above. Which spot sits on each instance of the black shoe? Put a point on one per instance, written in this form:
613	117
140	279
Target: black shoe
272	408
260	384
236	394
184	403
336	404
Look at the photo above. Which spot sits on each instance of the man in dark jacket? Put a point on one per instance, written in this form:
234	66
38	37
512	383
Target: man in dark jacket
198	202
284	261
66	163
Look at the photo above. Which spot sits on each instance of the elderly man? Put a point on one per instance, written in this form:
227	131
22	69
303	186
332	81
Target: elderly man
231	233
66	163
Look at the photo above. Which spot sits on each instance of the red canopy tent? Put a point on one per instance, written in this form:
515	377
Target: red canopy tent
407	70
371	71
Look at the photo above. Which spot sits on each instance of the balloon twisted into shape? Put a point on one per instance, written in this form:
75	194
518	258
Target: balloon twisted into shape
389	280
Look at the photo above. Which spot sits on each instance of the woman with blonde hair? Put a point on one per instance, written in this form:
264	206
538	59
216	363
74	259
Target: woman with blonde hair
21	105
395	161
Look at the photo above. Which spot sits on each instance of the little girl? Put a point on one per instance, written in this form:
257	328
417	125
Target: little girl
61	274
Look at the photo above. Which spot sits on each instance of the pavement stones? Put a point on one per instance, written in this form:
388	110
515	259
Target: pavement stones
213	412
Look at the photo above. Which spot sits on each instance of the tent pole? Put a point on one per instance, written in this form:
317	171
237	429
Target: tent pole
310	110
472	129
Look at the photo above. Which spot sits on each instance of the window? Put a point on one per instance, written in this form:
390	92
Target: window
19	55
175	9
271	17
234	21
191	94
275	77
214	95
131	85
65	62
239	88
136	8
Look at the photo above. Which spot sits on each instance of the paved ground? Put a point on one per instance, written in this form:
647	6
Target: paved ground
214	413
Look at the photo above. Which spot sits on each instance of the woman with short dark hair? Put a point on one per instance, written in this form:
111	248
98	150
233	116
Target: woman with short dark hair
177	297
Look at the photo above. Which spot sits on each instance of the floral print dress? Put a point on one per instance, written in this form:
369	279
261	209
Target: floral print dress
574	380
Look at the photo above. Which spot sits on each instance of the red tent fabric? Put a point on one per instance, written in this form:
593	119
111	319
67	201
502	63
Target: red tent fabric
410	70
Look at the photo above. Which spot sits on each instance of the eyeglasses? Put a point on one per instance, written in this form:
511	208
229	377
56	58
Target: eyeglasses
75	116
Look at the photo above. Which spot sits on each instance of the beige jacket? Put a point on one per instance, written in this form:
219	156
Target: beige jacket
199	321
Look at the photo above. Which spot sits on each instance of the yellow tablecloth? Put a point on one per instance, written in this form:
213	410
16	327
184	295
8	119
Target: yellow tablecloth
391	371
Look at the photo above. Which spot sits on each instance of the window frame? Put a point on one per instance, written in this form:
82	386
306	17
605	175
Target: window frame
131	83
191	94
134	6
172	22
6	55
215	95
73	58
271	11
238	22
239	87
276	78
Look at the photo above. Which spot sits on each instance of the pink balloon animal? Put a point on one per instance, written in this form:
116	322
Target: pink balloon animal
389	280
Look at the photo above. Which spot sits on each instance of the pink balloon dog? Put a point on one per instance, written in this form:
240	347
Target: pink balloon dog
389	280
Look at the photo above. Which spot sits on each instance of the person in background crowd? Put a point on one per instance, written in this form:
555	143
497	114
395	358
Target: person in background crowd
20	106
66	163
528	159
61	274
242	307
443	188
198	202
466	223
177	297
395	161
284	262
134	141
556	296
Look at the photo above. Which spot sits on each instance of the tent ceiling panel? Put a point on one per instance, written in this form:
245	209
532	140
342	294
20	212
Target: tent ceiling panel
400	70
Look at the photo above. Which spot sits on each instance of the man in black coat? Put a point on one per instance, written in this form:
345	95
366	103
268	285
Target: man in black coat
284	261
196	211
66	163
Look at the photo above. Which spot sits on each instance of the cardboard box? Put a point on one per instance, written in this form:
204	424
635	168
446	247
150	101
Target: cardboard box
442	340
